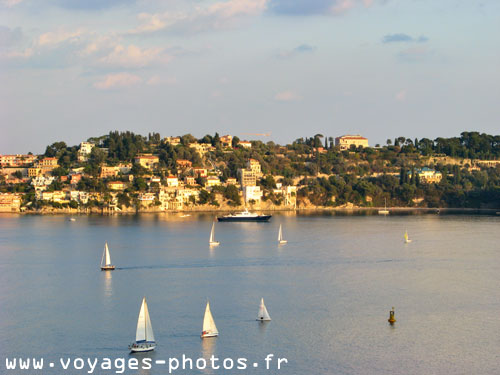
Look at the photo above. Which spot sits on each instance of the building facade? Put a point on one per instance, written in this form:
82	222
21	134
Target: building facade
346	141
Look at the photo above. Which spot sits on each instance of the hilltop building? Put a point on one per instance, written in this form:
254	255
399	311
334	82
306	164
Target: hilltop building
173	141
245	144
346	141
226	140
17	160
84	151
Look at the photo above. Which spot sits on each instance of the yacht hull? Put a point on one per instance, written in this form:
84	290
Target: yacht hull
208	335
141	348
260	218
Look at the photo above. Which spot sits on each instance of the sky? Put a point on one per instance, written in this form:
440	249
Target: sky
74	69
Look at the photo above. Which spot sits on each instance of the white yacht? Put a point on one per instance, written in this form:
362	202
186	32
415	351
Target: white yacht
244	216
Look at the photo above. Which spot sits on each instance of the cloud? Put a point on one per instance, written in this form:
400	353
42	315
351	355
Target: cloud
287	96
216	94
54	49
118	80
157	80
9	37
134	57
53	38
314	7
400	96
91	5
301	49
10	3
24	54
403	38
220	15
415	54
89	50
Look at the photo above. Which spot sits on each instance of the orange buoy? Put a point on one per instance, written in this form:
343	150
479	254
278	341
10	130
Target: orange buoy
391	319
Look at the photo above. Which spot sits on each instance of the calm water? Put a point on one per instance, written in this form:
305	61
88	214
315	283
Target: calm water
328	291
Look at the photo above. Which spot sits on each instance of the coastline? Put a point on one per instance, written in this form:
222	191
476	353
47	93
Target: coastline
299	210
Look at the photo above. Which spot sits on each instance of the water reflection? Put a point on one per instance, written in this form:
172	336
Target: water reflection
262	326
108	283
208	346
140	357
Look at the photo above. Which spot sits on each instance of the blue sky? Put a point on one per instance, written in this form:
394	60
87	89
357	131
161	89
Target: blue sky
74	69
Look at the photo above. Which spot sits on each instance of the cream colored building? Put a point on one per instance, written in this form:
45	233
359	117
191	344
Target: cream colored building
10	202
226	140
174	141
346	141
117	185
18	160
202	148
252	193
254	165
34	172
212	181
108	171
247	177
84	151
429	176
245	144
172	181
147	161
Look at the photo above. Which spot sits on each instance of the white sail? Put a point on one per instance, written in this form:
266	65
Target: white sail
263	314
209	327
144	330
280	236
212	240
407	240
108	257
212	233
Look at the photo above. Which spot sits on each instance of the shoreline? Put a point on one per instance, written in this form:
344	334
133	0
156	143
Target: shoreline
299	210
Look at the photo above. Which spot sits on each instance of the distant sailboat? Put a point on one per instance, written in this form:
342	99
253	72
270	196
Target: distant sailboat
385	211
106	260
209	328
263	314
212	240
144	336
407	240
280	237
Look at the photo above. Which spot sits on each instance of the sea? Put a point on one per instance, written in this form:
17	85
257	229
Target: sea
328	291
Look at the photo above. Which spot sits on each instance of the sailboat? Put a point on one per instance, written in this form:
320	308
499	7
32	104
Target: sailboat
209	328
106	260
144	337
212	240
281	241
263	314
385	211
407	240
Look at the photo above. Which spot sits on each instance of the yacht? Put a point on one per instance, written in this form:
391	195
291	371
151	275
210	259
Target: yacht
106	260
244	216
144	337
